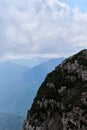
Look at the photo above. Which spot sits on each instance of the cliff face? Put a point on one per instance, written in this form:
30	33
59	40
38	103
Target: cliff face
61	101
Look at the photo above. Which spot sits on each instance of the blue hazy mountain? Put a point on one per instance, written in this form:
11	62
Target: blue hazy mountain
29	62
21	85
9	74
38	73
10	122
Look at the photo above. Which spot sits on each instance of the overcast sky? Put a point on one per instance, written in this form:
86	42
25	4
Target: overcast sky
42	28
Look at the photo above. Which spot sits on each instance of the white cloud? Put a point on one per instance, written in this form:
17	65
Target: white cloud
41	27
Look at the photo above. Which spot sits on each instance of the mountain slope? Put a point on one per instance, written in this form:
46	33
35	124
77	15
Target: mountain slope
29	62
39	72
61	101
9	73
10	122
16	95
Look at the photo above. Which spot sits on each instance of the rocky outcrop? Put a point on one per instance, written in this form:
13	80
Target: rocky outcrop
61	101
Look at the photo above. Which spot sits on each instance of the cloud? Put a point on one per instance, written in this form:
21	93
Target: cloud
40	28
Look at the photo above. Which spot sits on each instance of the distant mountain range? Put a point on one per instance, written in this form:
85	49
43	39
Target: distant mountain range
10	122
18	87
9	73
19	84
29	62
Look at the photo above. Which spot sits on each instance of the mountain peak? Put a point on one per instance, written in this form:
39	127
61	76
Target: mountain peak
75	67
61	101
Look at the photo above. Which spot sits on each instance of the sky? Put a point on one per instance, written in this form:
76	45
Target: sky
42	28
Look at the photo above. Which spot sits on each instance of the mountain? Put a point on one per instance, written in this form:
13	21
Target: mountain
61	101
10	122
9	72
29	62
20	84
38	73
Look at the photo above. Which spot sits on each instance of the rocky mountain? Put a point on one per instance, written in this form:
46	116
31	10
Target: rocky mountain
61	101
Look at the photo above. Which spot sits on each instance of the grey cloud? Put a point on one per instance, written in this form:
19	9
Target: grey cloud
40	27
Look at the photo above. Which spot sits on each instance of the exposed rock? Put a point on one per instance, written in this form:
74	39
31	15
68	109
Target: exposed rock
62	91
61	101
50	85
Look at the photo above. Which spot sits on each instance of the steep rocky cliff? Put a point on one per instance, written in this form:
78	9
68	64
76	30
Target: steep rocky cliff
61	101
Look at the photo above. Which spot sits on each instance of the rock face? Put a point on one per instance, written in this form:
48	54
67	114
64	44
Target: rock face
61	101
